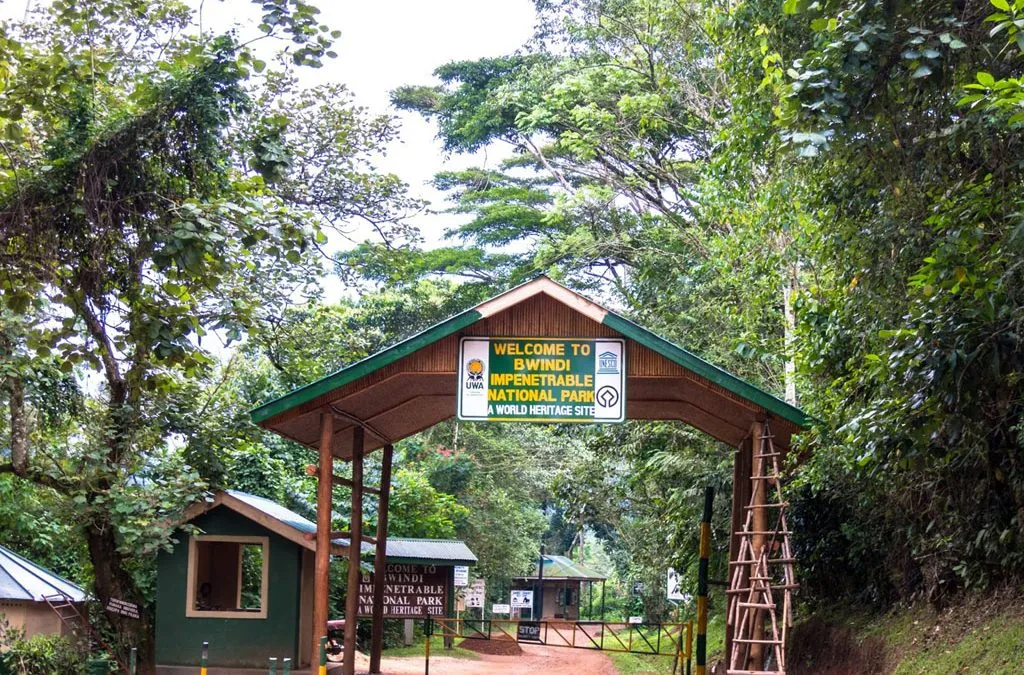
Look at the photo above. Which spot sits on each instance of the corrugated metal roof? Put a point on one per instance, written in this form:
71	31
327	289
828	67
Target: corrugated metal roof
285	516
452	551
22	579
438	551
560	567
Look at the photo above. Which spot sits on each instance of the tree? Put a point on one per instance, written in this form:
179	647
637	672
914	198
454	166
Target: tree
150	204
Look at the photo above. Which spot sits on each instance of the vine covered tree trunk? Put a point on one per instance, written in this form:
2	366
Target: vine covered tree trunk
113	581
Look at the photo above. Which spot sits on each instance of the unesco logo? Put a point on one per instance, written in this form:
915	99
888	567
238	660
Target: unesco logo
608	363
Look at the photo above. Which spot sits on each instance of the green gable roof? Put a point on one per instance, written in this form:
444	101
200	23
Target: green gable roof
561	567
353	372
452	326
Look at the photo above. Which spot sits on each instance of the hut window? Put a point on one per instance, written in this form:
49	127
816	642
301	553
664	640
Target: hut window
227	577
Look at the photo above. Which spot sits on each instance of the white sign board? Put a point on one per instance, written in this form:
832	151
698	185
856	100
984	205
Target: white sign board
636	619
474	595
674	586
461	575
501	609
506	379
123	608
522	599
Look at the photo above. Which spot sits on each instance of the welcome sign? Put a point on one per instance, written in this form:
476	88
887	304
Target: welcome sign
409	591
542	379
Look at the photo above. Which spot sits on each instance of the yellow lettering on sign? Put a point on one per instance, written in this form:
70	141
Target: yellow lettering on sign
520	395
577	396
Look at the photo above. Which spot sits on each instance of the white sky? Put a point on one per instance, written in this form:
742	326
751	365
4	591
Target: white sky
389	43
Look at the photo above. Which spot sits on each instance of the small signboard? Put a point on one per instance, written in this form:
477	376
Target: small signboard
501	609
674	586
409	591
123	608
474	594
529	631
636	619
522	599
461	575
542	379
638	588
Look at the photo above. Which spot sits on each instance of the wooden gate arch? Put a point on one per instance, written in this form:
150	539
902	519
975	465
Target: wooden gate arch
411	386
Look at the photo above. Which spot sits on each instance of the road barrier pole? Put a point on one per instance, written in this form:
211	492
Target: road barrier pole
133	658
702	582
428	631
204	659
689	646
286	667
323	655
273	665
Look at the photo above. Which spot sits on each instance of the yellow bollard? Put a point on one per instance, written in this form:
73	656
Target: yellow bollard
204	659
323	655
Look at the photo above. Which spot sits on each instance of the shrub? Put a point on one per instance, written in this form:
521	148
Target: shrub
38	655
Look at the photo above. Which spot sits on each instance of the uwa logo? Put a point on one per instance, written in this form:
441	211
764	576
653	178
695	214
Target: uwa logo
475	375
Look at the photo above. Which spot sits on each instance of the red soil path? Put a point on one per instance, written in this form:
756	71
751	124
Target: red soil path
535	660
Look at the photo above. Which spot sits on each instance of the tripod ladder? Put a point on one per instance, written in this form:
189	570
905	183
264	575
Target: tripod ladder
761	578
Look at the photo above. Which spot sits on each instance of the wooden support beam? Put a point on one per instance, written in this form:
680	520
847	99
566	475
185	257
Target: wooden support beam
338	480
311	470
341	534
379	566
322	560
352	592
758	500
742	467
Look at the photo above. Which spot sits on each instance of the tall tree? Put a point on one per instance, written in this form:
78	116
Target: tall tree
158	195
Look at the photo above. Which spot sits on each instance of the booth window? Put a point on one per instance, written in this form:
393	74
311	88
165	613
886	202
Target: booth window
227	577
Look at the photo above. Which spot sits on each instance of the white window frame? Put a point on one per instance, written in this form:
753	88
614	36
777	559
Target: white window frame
190	585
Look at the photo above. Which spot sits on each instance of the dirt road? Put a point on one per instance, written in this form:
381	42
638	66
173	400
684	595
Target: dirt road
535	660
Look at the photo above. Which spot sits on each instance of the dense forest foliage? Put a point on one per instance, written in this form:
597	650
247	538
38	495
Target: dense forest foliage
822	197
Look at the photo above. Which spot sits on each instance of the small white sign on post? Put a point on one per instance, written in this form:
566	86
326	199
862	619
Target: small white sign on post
501	609
674	586
474	594
522	599
461	575
636	619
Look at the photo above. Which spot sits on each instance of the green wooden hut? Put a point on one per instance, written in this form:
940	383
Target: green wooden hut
244	583
568	586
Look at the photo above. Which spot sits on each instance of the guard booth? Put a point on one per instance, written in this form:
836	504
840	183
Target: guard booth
567	589
243	581
543	353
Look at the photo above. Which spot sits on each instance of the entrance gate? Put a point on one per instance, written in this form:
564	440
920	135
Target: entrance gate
415	384
650	639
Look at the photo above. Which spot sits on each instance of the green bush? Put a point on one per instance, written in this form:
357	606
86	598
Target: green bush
38	655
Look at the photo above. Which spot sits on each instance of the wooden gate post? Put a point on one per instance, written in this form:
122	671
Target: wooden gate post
741	485
758	500
379	560
355	546
322	564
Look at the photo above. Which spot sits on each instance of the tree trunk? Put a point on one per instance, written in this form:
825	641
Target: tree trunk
113	581
789	287
19	426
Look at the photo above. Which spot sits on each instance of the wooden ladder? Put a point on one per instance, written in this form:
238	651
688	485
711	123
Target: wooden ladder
761	578
67	612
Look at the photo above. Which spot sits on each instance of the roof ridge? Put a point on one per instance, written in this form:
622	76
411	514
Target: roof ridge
5	550
35	569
